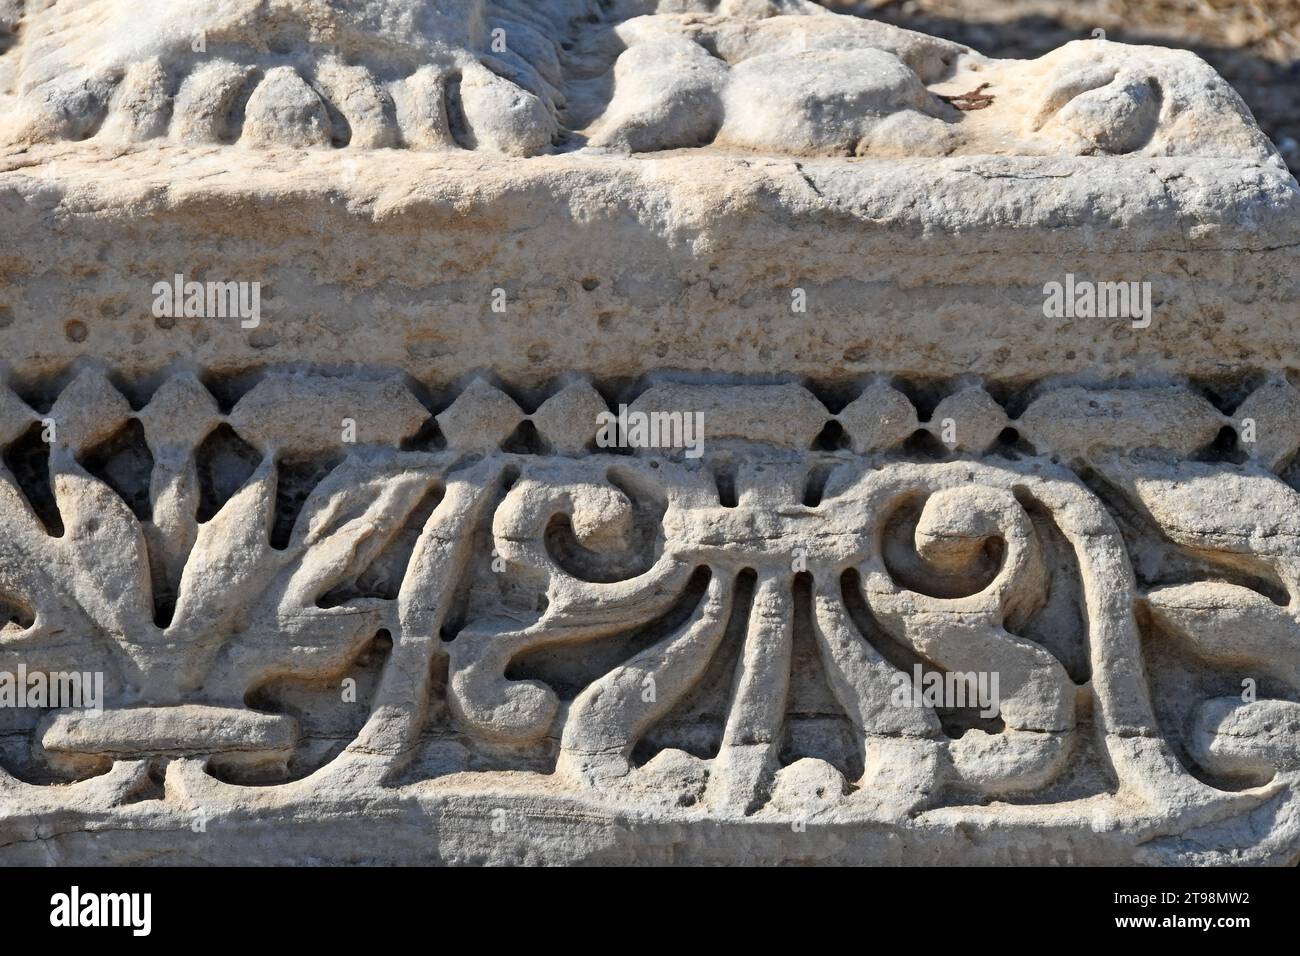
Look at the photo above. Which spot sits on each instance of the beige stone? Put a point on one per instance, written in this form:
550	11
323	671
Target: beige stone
650	441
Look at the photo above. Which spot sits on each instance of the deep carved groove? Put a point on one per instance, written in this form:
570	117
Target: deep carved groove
224	462
28	460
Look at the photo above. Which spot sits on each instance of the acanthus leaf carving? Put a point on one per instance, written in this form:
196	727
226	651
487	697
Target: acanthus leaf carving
593	610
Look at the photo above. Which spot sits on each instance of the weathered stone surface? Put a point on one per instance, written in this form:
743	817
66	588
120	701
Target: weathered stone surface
637	398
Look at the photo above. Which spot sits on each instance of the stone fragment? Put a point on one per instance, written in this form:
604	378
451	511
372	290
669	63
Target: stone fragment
480	419
285	110
718	597
974	418
879	419
1268	423
502	117
1074	422
817	102
201	113
298	415
366	107
139	109
570	419
666	96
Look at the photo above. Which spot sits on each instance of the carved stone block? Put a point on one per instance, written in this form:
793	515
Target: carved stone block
648	431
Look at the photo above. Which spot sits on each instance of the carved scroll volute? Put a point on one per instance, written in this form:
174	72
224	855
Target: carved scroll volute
1245	520
969	634
1144	763
601	523
1238	518
975	550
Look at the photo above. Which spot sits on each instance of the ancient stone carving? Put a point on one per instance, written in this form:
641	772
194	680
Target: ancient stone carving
299	73
649	403
719	636
784	76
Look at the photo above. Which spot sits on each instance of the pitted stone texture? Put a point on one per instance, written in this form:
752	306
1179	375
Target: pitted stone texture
879	419
685	260
973	417
481	417
347	633
570	418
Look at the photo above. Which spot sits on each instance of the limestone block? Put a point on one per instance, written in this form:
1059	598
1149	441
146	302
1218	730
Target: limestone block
649	431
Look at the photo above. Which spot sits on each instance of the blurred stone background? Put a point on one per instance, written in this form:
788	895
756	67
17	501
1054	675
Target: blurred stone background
1255	44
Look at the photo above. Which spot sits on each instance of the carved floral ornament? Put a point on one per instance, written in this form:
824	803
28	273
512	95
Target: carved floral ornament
553	607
